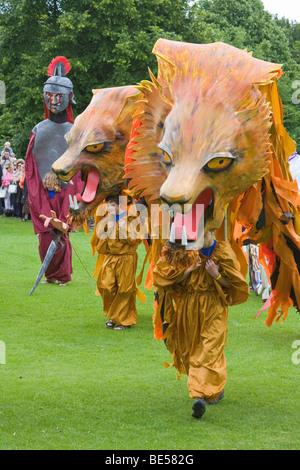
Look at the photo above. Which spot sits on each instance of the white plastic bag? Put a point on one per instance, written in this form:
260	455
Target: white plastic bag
13	188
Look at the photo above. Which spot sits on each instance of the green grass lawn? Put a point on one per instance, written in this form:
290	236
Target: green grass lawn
70	383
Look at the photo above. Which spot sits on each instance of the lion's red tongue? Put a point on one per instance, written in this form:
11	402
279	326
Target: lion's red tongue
192	218
91	186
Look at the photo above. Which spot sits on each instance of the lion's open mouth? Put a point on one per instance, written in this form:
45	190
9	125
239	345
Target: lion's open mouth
187	228
91	186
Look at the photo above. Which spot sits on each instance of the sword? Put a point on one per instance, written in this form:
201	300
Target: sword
49	255
62	228
48	258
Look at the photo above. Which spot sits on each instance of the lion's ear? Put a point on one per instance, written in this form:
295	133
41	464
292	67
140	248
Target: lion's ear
125	118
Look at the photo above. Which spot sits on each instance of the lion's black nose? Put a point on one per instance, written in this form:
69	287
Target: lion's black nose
171	201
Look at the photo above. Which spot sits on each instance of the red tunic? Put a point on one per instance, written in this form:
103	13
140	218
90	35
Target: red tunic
40	202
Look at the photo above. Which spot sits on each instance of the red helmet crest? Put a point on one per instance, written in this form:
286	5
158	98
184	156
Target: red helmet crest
59	64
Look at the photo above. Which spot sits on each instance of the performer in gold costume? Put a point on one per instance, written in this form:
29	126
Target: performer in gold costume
197	326
116	280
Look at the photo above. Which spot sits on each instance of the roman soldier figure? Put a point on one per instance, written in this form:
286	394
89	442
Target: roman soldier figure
47	143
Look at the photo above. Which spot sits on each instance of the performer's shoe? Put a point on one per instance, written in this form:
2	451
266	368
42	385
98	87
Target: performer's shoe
49	281
198	408
216	401
122	327
110	324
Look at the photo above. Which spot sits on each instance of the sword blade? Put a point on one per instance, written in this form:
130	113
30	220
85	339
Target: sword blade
49	255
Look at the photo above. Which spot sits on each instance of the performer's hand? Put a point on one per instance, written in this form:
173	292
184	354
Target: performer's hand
53	220
122	223
190	269
193	267
212	268
110	224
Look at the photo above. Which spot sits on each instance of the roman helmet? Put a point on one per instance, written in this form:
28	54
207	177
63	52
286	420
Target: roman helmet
58	85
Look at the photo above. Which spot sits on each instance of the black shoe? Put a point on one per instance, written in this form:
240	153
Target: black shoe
216	401
198	408
110	324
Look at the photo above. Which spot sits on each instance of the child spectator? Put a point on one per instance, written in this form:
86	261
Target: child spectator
8	148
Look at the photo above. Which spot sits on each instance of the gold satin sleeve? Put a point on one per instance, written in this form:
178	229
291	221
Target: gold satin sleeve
238	292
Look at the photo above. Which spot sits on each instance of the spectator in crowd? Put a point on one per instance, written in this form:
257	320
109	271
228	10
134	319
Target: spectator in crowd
6	157
7	147
24	200
19	175
1	199
6	181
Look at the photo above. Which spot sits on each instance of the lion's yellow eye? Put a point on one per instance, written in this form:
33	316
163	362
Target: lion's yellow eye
219	163
94	148
165	158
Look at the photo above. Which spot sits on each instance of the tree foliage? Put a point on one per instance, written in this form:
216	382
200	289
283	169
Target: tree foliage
109	43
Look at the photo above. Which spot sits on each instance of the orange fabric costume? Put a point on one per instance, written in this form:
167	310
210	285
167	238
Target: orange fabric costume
209	105
116	279
197	327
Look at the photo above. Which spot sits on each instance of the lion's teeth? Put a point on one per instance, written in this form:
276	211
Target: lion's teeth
76	206
183	236
172	233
